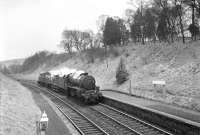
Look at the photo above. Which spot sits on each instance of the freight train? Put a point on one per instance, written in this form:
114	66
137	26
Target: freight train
72	83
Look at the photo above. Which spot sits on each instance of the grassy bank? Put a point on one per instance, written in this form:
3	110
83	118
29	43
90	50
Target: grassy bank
178	64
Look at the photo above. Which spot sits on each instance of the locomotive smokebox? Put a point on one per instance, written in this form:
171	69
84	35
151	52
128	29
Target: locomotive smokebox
82	80
87	82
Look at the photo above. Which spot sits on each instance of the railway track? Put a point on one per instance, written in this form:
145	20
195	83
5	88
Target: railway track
111	126
103	119
80	121
104	123
141	127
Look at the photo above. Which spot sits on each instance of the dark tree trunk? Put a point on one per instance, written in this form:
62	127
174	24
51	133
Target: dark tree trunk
193	17
181	24
182	31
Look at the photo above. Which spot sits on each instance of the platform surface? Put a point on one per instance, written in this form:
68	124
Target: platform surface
166	108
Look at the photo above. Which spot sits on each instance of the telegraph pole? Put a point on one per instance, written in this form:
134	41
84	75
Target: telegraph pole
106	55
142	25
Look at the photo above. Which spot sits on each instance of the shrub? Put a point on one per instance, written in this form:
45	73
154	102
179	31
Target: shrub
121	73
127	54
114	52
90	58
94	53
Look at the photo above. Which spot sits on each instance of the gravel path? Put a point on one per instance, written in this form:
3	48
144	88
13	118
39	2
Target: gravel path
56	125
71	128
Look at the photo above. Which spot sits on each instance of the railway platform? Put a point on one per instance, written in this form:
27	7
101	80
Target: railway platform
179	112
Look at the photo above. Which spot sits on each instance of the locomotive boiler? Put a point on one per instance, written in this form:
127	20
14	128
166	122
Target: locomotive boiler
82	80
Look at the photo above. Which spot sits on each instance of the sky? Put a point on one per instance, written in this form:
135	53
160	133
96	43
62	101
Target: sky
27	26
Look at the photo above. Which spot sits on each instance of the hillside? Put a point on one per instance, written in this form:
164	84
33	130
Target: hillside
177	64
11	62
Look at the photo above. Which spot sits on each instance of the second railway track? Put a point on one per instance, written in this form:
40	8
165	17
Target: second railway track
141	127
102	119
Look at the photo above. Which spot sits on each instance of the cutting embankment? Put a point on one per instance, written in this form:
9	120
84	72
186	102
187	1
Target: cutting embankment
18	111
177	64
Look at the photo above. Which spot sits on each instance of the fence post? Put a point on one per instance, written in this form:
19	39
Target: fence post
130	92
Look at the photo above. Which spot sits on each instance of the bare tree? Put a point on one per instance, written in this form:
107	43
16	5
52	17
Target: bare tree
179	8
67	45
101	22
78	40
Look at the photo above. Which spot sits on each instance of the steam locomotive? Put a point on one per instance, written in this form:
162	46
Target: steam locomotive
73	83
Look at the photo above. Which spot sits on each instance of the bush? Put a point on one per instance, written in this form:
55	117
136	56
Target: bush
127	54
90	55
121	73
90	58
94	53
114	52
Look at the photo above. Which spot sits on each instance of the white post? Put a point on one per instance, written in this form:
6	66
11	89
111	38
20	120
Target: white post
43	123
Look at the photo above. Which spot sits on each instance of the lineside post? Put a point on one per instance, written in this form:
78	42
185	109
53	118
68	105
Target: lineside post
43	123
130	88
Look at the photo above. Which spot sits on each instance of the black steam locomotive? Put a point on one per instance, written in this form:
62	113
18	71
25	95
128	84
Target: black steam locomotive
72	83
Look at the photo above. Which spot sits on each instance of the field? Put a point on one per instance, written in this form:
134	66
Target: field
18	111
178	64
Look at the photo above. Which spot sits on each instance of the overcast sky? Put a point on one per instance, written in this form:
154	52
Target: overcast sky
27	26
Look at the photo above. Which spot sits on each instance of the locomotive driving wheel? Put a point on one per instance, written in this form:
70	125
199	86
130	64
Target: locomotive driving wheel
72	93
85	100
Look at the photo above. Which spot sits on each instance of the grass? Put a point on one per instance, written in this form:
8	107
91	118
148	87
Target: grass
18	115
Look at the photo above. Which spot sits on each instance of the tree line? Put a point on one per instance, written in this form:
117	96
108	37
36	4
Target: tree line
30	63
166	20
153	20
150	20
